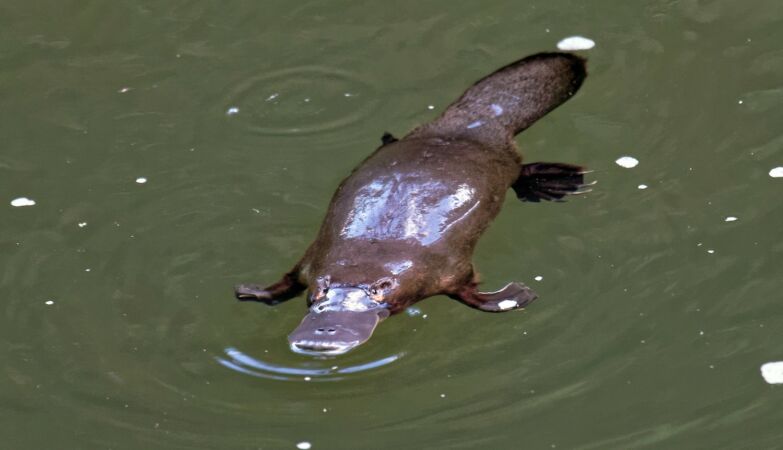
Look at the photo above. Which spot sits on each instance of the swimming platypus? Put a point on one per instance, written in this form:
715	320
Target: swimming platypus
403	226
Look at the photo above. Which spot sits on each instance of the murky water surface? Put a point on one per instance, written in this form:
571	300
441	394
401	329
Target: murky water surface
174	149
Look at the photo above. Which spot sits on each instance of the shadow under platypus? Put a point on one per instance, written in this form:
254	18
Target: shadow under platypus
403	225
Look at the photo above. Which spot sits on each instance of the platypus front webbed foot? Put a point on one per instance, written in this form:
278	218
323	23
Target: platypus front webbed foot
550	181
513	296
287	288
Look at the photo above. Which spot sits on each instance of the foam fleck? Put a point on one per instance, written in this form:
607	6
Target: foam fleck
304	445
773	372
777	172
576	43
628	162
22	201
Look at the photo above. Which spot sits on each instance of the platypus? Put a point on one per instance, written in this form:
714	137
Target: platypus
403	225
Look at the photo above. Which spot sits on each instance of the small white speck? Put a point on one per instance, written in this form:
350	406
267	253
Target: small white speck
124	90
141	180
87	270
49	302
475	124
642	186
538	278
272	97
430	106
777	172
773	372
347	94
22	201
232	110
82	224
710	251
730	219
442	395
627	161
507	304
576	43
739	101
699	244
701	333
307	100
424	316
307	378
303	445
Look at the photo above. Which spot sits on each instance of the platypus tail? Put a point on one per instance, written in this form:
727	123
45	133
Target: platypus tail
506	102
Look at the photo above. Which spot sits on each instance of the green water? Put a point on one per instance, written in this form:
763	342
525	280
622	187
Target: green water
655	314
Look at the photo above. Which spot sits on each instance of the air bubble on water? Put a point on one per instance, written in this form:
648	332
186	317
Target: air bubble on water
773	372
141	180
730	219
642	186
304	445
232	111
777	172
413	311
82	224
49	302
628	162
576	43
538	278
22	201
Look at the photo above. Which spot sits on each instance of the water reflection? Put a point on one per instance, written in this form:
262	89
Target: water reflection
240	362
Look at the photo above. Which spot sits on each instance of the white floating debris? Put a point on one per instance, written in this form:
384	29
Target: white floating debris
49	302
628	162
442	395
307	378
773	372
777	172
730	219
22	201
576	43
507	304
232	110
739	102
347	94
141	180
124	90
710	251
642	186
272	97
304	445
430	106
82	224
538	278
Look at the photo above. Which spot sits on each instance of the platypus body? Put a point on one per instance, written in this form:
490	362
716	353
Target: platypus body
403	226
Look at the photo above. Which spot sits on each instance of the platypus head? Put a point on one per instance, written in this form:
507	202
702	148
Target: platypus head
341	317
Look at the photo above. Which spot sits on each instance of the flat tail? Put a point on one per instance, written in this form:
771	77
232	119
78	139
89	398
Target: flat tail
506	102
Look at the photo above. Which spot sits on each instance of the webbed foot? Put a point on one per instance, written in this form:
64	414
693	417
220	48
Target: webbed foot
512	296
550	181
287	288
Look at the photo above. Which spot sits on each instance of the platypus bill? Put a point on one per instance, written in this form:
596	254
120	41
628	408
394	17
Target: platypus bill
402	227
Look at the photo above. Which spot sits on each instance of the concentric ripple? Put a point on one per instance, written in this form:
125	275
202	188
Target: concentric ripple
301	100
243	363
